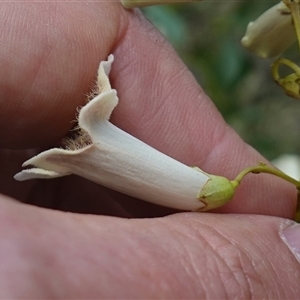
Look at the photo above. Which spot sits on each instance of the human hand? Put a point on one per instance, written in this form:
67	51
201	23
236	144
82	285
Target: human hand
49	59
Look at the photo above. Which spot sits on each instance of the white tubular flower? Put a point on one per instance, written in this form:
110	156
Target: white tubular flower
143	3
272	33
105	154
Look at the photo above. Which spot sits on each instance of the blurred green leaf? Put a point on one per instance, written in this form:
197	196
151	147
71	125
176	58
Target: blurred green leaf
169	23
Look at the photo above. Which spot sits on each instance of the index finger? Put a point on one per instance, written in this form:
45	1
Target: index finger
160	101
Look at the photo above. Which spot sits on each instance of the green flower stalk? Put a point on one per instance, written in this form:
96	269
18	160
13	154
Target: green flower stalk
291	82
294	7
144	3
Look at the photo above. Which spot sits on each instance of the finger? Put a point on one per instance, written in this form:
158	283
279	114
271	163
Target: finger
50	54
161	103
181	256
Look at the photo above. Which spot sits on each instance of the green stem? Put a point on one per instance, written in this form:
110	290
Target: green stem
294	7
283	61
262	168
144	3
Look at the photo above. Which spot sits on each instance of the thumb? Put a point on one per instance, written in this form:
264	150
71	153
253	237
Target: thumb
51	254
241	256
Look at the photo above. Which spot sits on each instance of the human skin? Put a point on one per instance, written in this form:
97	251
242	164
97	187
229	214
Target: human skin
49	57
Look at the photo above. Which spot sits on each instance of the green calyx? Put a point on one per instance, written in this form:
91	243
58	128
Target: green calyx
216	192
219	190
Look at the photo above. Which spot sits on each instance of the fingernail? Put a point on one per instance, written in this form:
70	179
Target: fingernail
290	234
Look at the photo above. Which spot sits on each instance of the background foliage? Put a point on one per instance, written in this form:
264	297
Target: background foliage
207	37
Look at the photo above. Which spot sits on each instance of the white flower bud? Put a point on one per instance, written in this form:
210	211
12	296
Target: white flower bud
272	33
